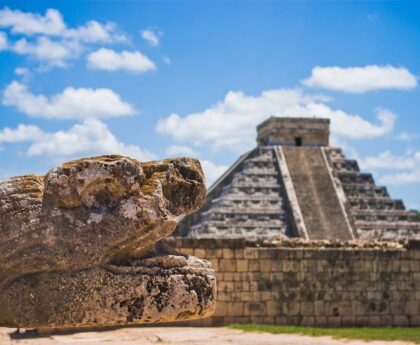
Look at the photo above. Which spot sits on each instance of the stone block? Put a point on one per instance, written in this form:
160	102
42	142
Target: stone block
222	296
415	321
221	309
344	308
413	307
269	320
213	253
237	286
253	286
348	321
265	265
257	319
307	308
374	320
200	253
292	308
219	276
319	308
385	320
334	321
225	286
254	265
239	253
235	309
246	296
228	253
358	308
237	277
255	309
308	321
242	265
214	264
400	320
251	253
321	321
273	308
188	251
265	296
281	320
227	265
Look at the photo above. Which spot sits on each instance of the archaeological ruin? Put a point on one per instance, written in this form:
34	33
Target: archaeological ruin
294	184
299	236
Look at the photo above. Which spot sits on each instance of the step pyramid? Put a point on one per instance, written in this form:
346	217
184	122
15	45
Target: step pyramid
294	184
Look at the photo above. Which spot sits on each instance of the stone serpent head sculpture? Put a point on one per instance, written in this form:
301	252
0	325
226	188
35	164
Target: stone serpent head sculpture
80	245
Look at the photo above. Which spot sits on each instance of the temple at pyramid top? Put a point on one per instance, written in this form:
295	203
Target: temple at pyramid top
294	184
292	131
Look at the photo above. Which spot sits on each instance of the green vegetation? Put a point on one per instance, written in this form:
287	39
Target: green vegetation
361	333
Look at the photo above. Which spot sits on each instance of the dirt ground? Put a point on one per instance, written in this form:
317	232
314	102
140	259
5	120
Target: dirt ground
175	336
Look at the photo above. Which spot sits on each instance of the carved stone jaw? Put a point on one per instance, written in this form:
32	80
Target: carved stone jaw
158	289
63	260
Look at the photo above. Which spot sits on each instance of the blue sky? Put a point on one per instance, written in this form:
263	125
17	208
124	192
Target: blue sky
157	79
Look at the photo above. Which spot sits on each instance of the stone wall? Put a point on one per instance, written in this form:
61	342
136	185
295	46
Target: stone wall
312	283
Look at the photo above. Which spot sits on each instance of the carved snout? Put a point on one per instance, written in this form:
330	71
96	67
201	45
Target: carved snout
189	189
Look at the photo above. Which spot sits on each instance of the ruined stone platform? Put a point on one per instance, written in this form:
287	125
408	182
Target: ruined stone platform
294	184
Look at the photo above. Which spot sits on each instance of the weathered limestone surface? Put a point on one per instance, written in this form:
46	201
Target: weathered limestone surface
78	245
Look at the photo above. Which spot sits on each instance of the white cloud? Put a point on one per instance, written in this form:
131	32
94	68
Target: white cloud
72	103
212	171
49	40
412	176
404	136
22	133
52	53
151	37
94	32
52	24
361	79
394	169
110	60
179	150
32	23
231	123
3	41
91	137
387	160
22	71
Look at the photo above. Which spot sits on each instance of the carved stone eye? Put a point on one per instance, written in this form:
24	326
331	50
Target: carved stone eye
93	182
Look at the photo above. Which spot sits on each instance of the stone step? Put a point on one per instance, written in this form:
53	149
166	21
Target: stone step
245	210
247	197
335	153
384	215
389	226
346	165
223	202
376	204
316	194
355	177
365	190
238	232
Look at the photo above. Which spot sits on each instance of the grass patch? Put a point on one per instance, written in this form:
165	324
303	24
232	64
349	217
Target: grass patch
361	333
